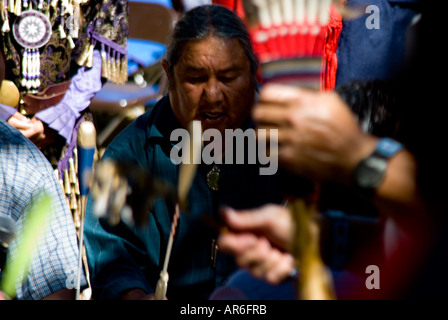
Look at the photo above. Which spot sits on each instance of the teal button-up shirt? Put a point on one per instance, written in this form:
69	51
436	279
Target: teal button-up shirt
125	257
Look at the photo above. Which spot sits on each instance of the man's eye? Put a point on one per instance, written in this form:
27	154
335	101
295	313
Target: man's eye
227	79
196	79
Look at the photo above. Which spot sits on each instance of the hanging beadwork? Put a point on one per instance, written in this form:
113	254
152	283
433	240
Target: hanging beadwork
32	30
75	23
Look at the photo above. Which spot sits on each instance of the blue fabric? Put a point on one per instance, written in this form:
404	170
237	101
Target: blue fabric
243	286
166	3
25	177
143	53
374	53
124	257
110	94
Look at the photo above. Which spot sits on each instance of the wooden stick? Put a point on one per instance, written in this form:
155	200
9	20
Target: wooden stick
86	152
187	172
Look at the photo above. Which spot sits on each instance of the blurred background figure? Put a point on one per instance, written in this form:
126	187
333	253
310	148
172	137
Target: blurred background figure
321	140
54	75
26	179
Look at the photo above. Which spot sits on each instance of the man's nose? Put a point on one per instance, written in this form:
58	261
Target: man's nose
213	91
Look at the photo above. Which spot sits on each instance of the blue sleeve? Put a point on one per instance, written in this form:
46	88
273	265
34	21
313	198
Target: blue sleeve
6	112
112	253
117	257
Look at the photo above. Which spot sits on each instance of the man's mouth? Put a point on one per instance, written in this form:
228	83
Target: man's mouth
212	115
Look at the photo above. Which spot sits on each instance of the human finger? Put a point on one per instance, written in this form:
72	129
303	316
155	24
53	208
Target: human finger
35	132
255	257
236	243
279	268
269	114
267	262
19	116
19	124
280	93
273	221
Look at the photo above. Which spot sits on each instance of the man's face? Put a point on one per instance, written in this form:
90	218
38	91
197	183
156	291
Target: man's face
212	83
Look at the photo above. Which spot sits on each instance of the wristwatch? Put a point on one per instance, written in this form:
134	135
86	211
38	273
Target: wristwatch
370	171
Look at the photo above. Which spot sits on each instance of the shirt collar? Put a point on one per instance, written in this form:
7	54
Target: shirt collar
164	120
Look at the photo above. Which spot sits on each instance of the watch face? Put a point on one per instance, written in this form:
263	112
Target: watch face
370	172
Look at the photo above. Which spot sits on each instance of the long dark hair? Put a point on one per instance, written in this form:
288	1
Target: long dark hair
203	21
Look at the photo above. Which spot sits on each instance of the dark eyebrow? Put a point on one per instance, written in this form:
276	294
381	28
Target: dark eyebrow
192	69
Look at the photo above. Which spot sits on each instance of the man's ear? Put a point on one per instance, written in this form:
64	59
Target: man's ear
165	68
167	73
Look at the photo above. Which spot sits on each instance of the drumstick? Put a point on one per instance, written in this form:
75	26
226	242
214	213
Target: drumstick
190	161
86	151
162	284
187	172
